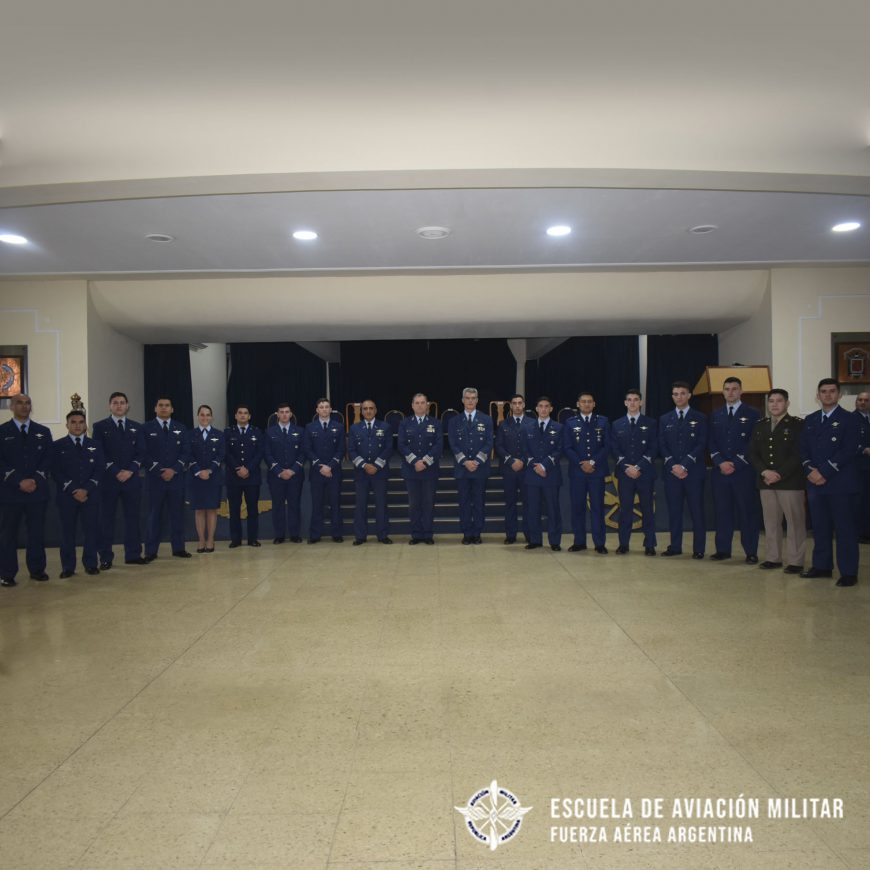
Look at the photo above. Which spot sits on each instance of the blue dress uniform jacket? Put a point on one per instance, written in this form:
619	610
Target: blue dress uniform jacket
165	448
636	446
370	447
683	443
76	468
584	441
325	447
206	454
510	444
862	501
544	449
831	447
122	451
285	453
244	450
421	441
23	457
471	440
730	440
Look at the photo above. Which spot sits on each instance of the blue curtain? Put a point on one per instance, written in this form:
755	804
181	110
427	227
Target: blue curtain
676	358
167	374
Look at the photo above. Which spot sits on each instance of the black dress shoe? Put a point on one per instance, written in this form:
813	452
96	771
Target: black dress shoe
181	554
767	566
415	541
296	540
429	541
649	551
358	541
105	566
337	539
602	549
278	541
466	539
209	549
476	540
385	540
65	575
92	571
200	549
234	544
670	552
576	548
621	551
697	555
847	580
555	548
314	540
148	559
534	546
254	544
792	569
719	557
816	573
41	576
139	560
752	559
8	581
510	540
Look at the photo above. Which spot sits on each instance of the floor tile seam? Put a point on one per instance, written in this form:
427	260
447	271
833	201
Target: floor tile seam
130	700
689	701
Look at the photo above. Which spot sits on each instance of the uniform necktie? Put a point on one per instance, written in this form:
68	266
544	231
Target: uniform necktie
470	418
324	425
419	421
165	428
284	430
244	429
543	425
825	419
79	443
731	411
369	426
518	420
121	426
680	415
24	431
633	422
204	434
586	419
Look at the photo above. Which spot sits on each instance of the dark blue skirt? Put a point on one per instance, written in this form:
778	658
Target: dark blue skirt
205	494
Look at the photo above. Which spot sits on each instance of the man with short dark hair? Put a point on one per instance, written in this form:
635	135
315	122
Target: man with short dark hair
862	501
369	446
25	456
122	442
544	476
243	456
421	443
510	446
285	458
77	466
325	446
829	447
733	479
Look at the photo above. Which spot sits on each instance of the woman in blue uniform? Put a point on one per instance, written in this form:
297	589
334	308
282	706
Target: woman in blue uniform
207	448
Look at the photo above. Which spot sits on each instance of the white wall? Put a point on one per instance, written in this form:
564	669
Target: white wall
208	376
749	343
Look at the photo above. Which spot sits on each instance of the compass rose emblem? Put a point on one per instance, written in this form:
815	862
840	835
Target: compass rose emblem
493	815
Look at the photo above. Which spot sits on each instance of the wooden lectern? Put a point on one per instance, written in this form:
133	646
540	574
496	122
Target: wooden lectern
756	385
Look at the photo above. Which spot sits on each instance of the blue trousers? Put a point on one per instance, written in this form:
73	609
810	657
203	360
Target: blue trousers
643	489
736	492
363	484
585	486
234	501
421	505
286	506
72	514
515	490
692	491
325	490
471	495
131	499
549	495
828	514
33	513
862	504
162	495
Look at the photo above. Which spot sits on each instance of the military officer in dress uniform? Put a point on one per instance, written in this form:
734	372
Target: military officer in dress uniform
244	453
544	476
829	448
470	437
285	461
25	455
633	443
774	452
369	446
207	452
682	442
420	443
167	452
77	466
510	446
325	447
586	444
123	446
862	512
733	476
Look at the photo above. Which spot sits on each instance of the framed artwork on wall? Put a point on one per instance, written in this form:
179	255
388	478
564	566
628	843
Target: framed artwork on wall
13	373
852	362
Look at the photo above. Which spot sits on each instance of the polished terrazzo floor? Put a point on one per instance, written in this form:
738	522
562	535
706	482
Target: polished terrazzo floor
329	706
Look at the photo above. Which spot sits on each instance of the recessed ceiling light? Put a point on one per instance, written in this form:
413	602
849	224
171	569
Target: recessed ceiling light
559	230
305	235
12	239
702	229
160	237
846	227
433	232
